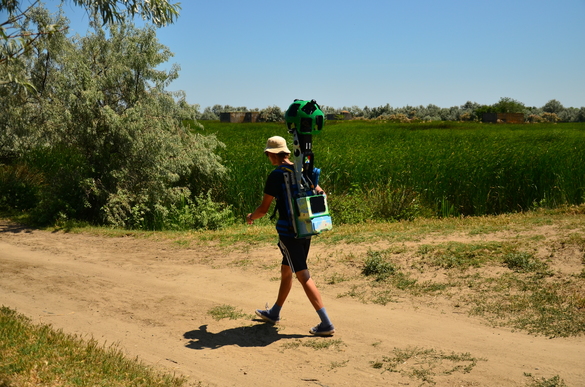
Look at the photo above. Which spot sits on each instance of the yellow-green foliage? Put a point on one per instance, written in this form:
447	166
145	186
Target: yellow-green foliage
43	356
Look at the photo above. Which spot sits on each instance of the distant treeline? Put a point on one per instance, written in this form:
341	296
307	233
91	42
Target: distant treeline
552	111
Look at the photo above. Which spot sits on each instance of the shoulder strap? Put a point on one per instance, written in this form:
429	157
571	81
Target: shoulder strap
274	212
284	170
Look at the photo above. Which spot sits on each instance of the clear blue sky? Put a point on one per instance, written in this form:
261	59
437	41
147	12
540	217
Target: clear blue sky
373	52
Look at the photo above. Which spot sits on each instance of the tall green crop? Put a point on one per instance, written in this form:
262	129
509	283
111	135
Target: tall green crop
435	168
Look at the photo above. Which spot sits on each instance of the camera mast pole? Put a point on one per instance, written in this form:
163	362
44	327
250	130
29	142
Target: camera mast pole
304	118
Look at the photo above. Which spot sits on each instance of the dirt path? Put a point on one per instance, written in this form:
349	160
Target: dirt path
152	298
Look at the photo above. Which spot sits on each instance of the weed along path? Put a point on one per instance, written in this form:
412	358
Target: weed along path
161	302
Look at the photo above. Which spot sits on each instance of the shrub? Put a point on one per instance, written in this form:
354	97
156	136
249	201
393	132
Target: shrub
550	117
376	265
19	187
534	118
553	106
271	114
466	117
60	193
208	114
400	117
183	214
210	215
523	262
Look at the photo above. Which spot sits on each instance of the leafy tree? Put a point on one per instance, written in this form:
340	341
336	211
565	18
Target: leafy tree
469	111
504	105
445	114
104	137
329	109
381	110
432	110
218	109
355	111
22	111
553	106
580	116
159	12
208	114
508	105
470	105
271	114
20	32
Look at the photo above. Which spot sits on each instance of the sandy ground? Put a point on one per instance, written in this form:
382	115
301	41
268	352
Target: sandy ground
153	297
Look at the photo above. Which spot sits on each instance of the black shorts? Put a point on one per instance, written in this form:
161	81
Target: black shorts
294	252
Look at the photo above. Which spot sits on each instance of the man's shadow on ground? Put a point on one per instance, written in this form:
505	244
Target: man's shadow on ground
259	335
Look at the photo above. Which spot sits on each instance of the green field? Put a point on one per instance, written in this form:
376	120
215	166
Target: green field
381	170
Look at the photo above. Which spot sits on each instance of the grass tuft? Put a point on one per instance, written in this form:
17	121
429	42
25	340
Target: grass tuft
524	262
555	381
426	364
226	311
375	265
457	255
316	344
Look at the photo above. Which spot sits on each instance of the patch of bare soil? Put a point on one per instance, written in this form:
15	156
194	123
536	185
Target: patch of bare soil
153	298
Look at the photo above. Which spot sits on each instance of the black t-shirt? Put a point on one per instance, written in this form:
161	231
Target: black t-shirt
275	187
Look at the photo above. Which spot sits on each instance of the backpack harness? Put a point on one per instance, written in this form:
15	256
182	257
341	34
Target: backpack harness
307	210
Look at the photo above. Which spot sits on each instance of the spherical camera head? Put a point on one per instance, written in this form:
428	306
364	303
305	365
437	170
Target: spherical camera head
304	117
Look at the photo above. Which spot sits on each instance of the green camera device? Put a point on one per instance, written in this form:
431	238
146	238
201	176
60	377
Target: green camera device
310	213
